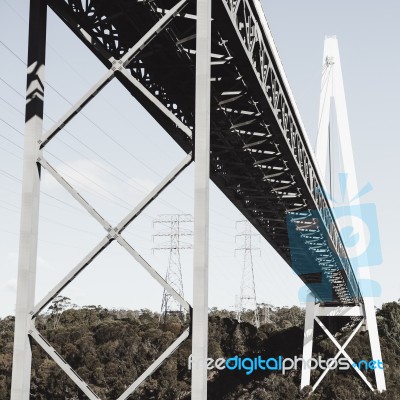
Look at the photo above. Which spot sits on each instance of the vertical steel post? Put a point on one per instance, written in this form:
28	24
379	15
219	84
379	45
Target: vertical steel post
21	372
308	340
201	201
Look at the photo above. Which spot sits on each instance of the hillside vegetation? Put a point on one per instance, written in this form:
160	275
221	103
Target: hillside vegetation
110	348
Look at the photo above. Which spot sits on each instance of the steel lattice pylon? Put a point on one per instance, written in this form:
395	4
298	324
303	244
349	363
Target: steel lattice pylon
248	298
173	230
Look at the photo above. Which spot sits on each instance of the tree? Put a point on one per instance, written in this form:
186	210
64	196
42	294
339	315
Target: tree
57	307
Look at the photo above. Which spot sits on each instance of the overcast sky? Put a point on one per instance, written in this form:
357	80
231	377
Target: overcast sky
116	153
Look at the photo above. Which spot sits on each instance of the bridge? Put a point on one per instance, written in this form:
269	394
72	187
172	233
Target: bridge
197	76
260	157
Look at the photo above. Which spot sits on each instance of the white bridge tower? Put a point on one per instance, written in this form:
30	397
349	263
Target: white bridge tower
332	90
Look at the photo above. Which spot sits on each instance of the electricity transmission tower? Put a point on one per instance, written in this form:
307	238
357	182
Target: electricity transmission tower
174	230
266	313
247	300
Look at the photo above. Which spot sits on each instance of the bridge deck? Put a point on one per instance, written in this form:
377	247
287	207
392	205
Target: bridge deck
260	157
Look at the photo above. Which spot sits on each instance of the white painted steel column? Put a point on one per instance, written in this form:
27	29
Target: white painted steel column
201	201
332	86
308	340
21	373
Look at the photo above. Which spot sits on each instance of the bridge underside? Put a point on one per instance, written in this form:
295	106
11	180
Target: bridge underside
260	158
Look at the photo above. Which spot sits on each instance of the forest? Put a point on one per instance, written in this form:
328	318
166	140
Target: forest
110	348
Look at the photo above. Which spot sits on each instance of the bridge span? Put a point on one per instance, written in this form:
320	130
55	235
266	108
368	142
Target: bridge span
260	155
258	151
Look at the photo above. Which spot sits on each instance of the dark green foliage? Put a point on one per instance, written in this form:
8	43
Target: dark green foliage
110	348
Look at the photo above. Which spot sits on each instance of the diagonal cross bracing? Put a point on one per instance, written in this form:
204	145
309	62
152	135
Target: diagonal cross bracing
112	234
26	322
116	65
343	352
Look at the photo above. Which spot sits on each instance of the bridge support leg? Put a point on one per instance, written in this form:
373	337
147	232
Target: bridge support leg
21	373
201	201
332	88
313	313
376	353
308	341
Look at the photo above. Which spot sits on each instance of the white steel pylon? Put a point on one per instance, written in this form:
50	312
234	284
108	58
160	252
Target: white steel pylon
332	88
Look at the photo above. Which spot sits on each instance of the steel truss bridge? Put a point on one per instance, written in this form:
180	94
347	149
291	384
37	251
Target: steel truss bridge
259	155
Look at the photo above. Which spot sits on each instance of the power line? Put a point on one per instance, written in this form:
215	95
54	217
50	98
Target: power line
48	220
117	143
101	129
90	149
10	152
19	132
128	205
116	176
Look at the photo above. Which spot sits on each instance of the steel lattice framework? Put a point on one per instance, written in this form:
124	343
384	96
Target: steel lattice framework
174	233
248	298
244	127
260	157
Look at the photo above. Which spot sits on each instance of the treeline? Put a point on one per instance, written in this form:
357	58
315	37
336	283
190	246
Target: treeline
109	349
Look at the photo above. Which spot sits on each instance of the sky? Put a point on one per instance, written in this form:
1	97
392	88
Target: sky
115	153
